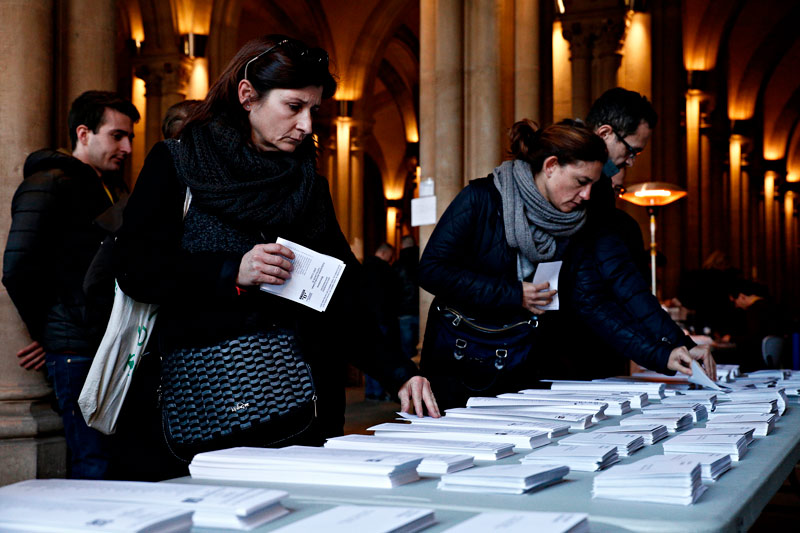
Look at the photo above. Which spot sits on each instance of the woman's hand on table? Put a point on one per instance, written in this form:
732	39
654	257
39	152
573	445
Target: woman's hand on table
416	393
535	296
265	263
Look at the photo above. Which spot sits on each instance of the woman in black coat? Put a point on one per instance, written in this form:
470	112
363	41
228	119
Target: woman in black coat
481	257
247	156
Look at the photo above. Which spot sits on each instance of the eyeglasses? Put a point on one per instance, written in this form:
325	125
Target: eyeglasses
632	152
314	56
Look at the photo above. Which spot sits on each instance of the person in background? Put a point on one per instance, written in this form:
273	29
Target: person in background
605	274
407	268
484	250
61	212
383	292
175	116
248	158
760	317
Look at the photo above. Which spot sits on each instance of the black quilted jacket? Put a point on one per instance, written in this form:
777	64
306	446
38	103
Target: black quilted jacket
467	262
53	238
602	282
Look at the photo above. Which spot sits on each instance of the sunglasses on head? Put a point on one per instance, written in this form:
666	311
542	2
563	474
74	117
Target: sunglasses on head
632	152
314	56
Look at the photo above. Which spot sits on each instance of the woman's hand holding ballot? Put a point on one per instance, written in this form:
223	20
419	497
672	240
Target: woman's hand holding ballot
535	295
680	360
265	263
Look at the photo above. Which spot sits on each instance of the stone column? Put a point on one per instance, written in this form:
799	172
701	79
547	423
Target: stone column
29	447
166	78
86	33
607	46
526	61
427	124
341	189
90	33
735	205
694	195
482	79
357	191
580	47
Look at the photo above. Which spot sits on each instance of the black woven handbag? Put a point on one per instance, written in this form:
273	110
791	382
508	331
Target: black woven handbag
255	390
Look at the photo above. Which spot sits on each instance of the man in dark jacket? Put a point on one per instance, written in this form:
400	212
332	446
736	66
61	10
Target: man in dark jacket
61	212
607	270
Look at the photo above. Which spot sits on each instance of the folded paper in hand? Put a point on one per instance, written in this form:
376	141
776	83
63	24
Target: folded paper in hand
313	279
548	272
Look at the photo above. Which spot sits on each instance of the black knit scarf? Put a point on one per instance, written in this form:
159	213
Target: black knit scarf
252	190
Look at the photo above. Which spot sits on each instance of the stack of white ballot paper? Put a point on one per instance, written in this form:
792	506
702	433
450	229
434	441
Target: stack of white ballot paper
214	507
762	423
712	465
503	479
653	389
636	399
575	420
482	451
650	433
520	438
626	444
582	458
737	406
49	516
658	479
674	422
616	404
555	402
523	522
531	406
757	395
553	429
733	445
746	432
309	465
707	399
698	412
350	518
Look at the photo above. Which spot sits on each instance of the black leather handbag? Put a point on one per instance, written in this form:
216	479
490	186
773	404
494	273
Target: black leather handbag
482	351
255	390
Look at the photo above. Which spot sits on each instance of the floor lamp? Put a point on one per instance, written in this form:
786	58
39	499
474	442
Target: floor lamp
652	195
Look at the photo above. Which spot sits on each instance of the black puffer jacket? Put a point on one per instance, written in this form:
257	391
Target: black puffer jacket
603	285
468	264
55	233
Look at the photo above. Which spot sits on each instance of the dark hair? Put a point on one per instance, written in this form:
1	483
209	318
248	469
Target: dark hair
175	117
88	110
623	110
288	65
568	140
748	288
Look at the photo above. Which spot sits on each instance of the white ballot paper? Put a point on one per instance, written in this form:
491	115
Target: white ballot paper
423	211
699	377
372	519
548	271
313	280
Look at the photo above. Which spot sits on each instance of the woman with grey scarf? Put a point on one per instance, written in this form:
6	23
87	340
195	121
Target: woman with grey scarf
487	323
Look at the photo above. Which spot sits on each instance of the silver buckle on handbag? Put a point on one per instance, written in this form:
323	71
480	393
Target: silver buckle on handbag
460	345
501	355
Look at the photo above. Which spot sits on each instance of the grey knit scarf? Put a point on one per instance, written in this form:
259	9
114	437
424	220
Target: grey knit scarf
531	222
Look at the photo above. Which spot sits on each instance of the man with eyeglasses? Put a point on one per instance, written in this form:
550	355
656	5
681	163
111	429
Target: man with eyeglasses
604	284
625	120
66	205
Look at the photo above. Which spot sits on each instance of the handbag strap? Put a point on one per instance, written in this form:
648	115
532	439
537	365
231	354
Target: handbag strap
459	319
